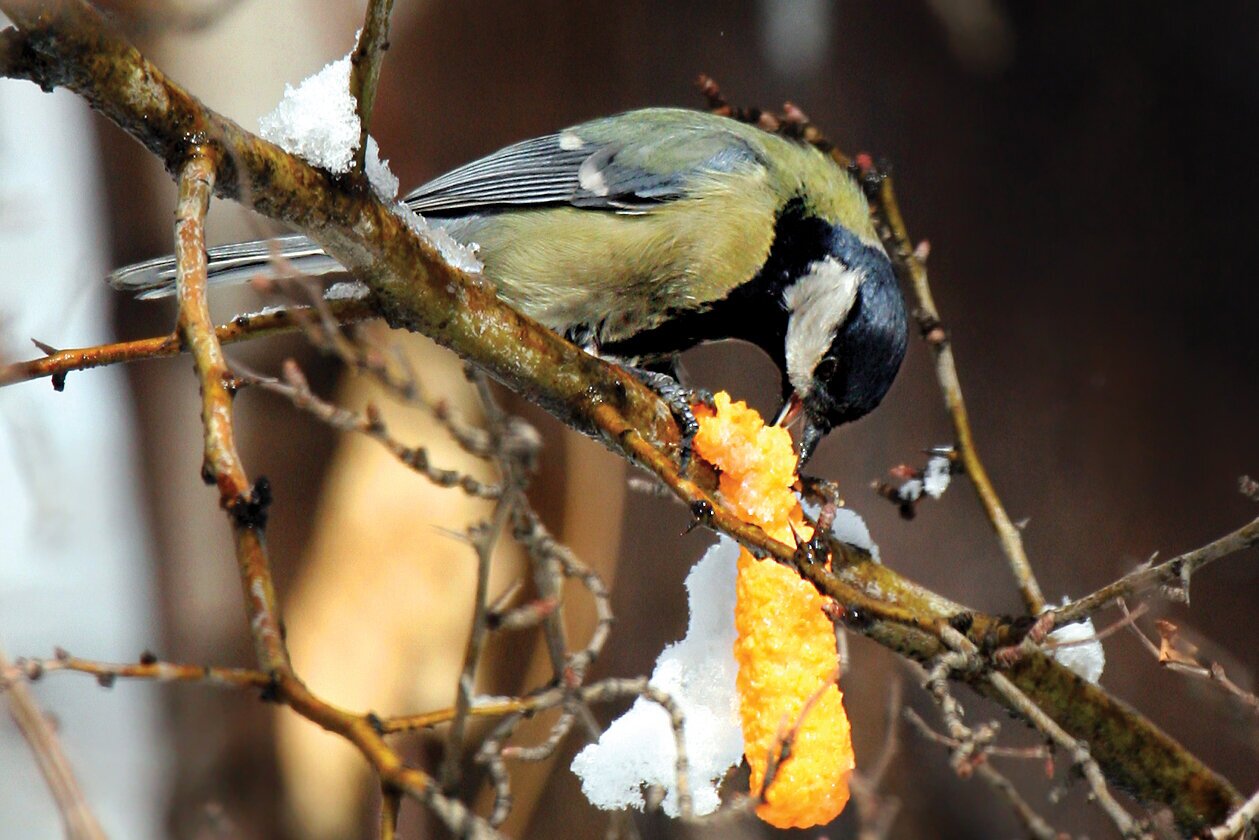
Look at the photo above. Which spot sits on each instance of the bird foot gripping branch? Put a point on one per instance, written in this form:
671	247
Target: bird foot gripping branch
680	399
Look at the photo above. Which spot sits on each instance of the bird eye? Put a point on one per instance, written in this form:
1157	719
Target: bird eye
826	369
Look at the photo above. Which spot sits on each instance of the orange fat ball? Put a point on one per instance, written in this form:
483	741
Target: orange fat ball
786	645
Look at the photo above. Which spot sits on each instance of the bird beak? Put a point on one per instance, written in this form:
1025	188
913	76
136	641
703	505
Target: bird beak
790	412
812	433
809	439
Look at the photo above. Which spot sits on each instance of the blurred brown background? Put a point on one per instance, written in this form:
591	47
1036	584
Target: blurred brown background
1086	178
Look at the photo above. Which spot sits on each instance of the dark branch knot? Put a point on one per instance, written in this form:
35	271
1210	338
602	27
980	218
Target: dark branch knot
251	511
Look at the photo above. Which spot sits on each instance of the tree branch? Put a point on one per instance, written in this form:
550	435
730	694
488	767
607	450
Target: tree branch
148	668
66	43
1172	576
80	823
1237	822
365	61
911	265
57	363
69	45
245	503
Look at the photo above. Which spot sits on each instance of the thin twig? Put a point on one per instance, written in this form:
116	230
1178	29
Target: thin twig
549	581
545	565
484	538
427	720
974	746
876	813
912	266
148	668
1171	577
968	743
1172	657
1035	824
58	363
247	506
365	61
245	503
1077	750
514	453
526	616
296	389
491	755
545	748
493	752
533	536
970	748
1052	644
390	806
986	749
1237	822
780	752
891	740
614	689
76	814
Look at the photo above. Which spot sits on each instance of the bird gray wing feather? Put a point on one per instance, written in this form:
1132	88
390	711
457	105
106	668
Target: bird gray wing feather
575	168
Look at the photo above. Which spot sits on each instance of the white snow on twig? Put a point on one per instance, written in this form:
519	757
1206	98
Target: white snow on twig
698	672
317	121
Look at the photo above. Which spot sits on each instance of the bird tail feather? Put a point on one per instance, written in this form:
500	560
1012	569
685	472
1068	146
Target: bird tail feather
230	264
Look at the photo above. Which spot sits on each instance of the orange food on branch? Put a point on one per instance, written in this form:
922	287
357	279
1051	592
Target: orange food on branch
786	645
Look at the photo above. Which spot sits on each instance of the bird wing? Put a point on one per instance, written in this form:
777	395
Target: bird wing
591	168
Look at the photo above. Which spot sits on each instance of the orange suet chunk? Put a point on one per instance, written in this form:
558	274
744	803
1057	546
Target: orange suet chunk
786	646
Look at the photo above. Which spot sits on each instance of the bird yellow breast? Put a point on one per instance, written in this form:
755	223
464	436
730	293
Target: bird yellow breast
625	272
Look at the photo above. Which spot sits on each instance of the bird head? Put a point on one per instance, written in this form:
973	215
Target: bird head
846	337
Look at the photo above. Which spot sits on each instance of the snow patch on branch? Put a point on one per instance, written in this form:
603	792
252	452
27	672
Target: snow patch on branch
318	122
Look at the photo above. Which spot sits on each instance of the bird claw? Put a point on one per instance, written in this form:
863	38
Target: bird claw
811	551
704	397
679	398
701	514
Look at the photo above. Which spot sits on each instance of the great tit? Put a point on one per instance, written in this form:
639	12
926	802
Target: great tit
640	235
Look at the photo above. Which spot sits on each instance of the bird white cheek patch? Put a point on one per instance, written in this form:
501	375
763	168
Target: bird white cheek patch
818	302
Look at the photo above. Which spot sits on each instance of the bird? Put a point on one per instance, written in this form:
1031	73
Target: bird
640	235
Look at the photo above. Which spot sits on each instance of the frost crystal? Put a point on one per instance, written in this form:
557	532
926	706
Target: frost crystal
384	182
347	290
455	253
